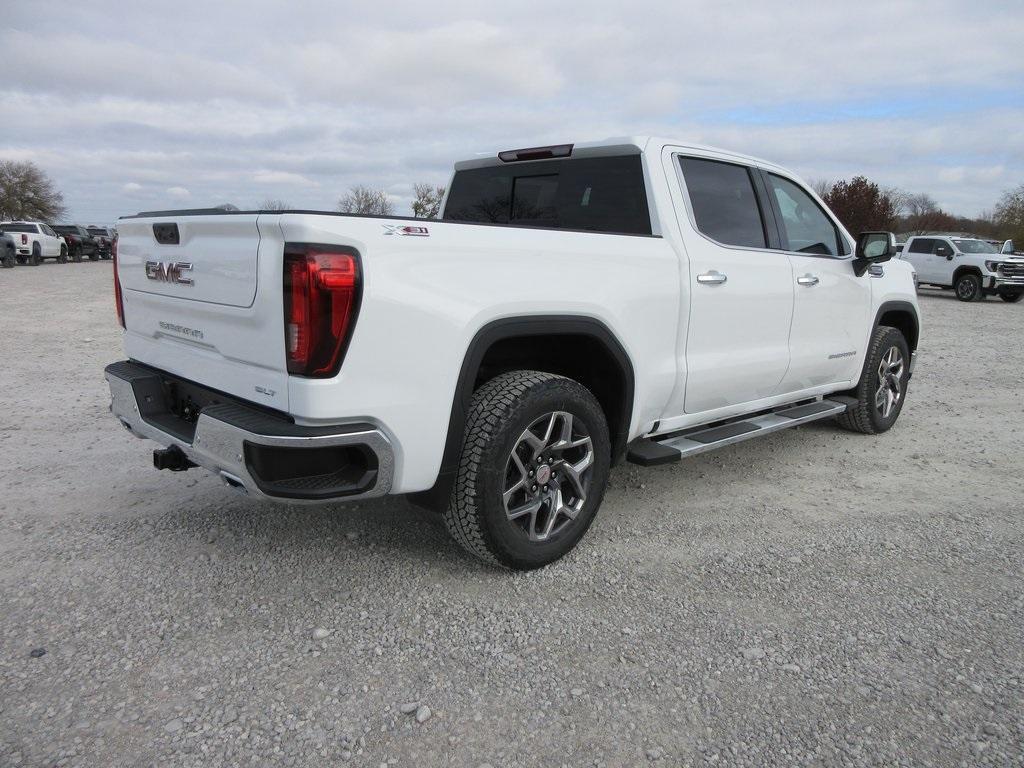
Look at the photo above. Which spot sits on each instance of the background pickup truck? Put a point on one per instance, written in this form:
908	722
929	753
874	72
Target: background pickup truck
636	298
973	268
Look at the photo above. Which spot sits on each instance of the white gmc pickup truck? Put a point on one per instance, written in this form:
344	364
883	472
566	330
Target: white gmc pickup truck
576	305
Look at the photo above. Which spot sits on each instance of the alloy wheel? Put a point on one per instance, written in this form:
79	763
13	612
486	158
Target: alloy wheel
890	382
547	476
965	289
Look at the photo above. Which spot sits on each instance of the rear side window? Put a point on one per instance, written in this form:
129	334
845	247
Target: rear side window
599	194
805	226
921	245
723	200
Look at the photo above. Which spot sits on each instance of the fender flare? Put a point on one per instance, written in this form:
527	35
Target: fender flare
900	306
511	327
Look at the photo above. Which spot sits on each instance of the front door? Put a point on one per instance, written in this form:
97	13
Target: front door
741	293
831	304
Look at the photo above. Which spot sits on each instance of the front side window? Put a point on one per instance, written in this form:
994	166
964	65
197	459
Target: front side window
805	227
723	201
974	246
598	194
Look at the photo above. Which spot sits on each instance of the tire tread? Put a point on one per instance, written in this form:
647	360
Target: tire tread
491	405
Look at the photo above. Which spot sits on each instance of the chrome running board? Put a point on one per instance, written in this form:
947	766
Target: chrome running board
673	446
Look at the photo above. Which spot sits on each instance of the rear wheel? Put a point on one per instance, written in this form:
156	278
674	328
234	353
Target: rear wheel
968	288
1011	298
95	255
37	257
533	470
76	254
9	259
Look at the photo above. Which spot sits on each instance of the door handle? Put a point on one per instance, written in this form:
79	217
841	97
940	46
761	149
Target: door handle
712	278
808	280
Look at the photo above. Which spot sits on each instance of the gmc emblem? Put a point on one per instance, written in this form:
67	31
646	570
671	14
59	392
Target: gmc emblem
169	272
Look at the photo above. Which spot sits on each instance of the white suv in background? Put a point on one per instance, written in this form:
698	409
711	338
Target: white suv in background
973	268
35	241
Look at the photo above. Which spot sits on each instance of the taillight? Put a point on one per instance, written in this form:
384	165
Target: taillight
321	298
24	239
118	301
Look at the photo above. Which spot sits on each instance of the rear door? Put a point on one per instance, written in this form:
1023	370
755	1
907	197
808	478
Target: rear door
203	300
737	345
831	304
919	253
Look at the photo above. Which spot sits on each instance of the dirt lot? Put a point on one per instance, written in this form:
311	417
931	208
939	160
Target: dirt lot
815	597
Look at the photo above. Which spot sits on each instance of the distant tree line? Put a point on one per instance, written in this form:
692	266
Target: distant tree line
26	192
863	206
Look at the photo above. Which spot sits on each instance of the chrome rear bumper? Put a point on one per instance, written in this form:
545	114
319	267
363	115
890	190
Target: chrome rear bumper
247	448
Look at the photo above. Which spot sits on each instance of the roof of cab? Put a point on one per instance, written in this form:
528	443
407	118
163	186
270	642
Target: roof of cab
622	145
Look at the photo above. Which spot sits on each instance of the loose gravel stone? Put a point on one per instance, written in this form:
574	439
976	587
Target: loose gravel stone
170	605
423	713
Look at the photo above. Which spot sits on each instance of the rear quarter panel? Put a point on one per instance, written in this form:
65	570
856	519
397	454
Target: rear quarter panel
424	299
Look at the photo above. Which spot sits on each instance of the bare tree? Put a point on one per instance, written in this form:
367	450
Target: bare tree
360	199
427	204
273	204
1009	215
821	187
28	193
921	214
898	197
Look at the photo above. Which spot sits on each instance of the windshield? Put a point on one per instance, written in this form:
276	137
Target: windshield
975	246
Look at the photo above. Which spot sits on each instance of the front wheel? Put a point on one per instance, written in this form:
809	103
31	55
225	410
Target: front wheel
533	470
1011	298
882	389
968	288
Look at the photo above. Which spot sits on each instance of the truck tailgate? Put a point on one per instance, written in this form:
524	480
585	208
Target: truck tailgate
203	300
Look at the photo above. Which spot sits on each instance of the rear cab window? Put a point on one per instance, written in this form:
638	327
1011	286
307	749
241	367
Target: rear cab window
595	194
921	245
30	228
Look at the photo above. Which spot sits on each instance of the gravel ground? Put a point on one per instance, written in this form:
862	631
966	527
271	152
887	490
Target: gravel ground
814	597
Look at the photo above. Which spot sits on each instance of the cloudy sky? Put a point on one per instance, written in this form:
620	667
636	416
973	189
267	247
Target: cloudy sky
134	105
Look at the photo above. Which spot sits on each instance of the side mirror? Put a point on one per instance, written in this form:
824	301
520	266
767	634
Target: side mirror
944	251
873	248
1007	247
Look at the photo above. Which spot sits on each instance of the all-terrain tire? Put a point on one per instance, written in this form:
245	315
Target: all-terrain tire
76	254
502	410
968	287
9	259
1011	298
865	415
37	257
63	257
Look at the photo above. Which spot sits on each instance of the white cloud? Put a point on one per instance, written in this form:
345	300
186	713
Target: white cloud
390	94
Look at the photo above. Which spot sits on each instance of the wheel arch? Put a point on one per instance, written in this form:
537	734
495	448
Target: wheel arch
598	361
901	315
967	269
